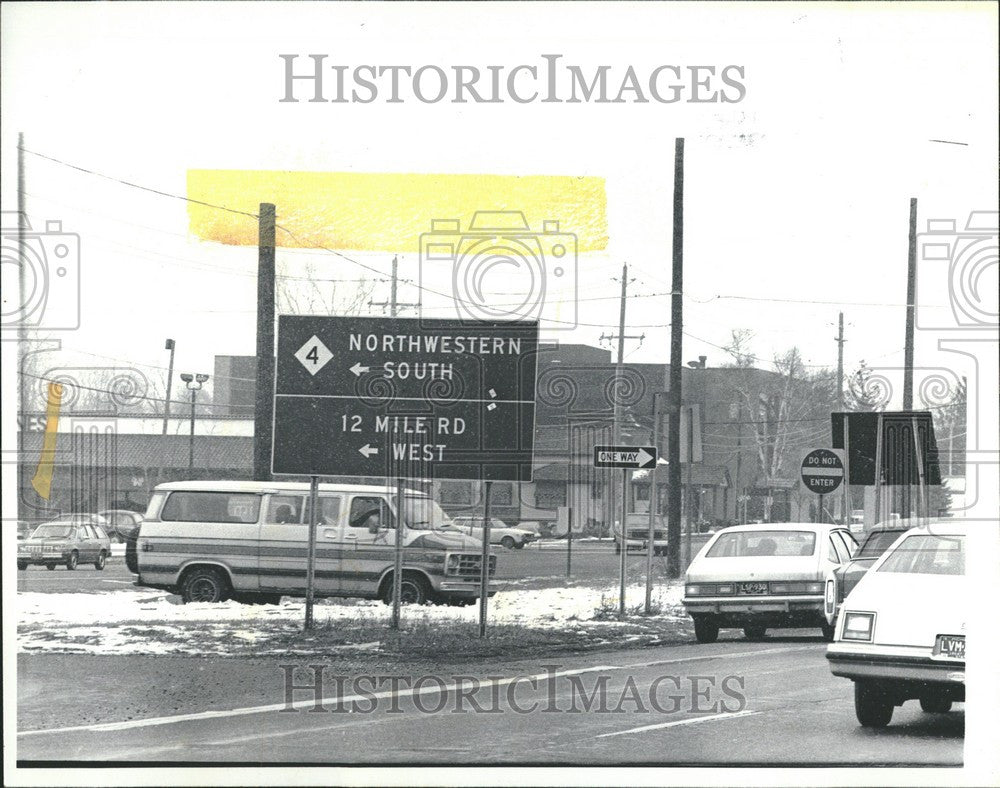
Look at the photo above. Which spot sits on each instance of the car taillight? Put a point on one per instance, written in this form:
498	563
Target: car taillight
831	596
858	626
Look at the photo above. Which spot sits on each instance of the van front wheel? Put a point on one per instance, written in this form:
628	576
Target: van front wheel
205	584
414	590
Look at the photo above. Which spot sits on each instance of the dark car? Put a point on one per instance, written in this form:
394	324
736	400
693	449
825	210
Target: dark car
123	524
66	542
850	573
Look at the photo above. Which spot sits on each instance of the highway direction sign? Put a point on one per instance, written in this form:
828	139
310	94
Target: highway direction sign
369	396
624	456
822	471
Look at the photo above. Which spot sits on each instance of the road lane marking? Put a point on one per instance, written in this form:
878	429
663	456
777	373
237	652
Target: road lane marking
675	723
734	655
249	710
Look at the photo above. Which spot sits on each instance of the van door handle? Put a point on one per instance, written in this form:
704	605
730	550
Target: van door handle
330	533
350	536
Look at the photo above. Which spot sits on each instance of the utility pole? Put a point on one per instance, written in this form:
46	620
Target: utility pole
169	345
840	363
616	436
263	396
911	294
393	303
676	337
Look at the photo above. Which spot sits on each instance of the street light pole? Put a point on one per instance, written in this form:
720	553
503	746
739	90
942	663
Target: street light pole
194	383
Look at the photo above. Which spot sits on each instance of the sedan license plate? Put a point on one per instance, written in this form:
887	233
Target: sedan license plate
951	646
753	588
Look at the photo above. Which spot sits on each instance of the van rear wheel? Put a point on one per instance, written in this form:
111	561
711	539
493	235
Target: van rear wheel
205	584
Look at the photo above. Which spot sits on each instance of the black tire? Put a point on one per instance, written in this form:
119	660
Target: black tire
828	631
101	562
519	546
754	632
508	542
618	549
871	705
706	629
22	565
414	590
51	567
73	560
205	584
131	556
933	704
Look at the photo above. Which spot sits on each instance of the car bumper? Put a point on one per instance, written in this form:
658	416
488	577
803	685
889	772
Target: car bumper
893	663
41	558
754	604
465	587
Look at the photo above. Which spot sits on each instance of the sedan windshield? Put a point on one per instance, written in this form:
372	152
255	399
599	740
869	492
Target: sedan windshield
55	530
927	554
745	544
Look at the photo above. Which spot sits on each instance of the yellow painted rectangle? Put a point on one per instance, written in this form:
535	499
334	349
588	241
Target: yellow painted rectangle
386	211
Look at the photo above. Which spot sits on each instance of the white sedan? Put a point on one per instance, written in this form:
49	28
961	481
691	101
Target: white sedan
901	633
778	575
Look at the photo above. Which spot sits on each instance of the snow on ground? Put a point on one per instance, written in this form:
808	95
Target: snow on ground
154	622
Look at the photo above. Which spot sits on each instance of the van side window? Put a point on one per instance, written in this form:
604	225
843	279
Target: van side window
285	509
329	510
370	512
211	507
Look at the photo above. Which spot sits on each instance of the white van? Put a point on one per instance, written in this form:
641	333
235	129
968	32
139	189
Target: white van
215	540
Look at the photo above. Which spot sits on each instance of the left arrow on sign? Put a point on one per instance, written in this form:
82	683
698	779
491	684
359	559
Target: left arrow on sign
368	450
358	370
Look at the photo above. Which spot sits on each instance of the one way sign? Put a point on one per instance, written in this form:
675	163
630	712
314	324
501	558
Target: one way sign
624	456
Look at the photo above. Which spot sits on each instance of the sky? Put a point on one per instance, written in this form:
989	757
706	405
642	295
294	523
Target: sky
796	198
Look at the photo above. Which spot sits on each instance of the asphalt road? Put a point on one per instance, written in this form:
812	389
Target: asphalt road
730	702
537	564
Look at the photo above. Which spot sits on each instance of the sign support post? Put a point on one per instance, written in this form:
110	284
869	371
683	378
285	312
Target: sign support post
397	572
484	569
569	541
821	508
311	550
847	475
624	553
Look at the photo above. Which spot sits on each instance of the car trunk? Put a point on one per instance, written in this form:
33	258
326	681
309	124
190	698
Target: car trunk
793	567
911	609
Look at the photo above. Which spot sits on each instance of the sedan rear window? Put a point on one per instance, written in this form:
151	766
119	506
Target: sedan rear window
877	543
763	543
927	554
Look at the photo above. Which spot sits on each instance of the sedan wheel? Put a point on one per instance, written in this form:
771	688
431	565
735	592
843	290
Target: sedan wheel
73	560
508	542
706	629
935	705
871	705
22	565
50	567
754	632
102	559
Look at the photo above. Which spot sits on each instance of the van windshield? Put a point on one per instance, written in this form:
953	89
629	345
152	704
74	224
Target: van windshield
423	513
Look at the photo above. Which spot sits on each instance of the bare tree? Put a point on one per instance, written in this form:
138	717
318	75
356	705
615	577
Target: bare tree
312	293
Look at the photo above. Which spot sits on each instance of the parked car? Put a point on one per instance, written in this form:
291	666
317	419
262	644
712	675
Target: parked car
901	634
66	542
877	542
122	523
511	538
24	529
776	575
637	535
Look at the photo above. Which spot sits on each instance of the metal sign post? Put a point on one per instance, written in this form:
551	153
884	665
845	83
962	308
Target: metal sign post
624	553
484	569
626	458
397	572
848	503
569	541
311	550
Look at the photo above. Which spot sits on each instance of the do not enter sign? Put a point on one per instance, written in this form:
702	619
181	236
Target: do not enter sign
822	471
